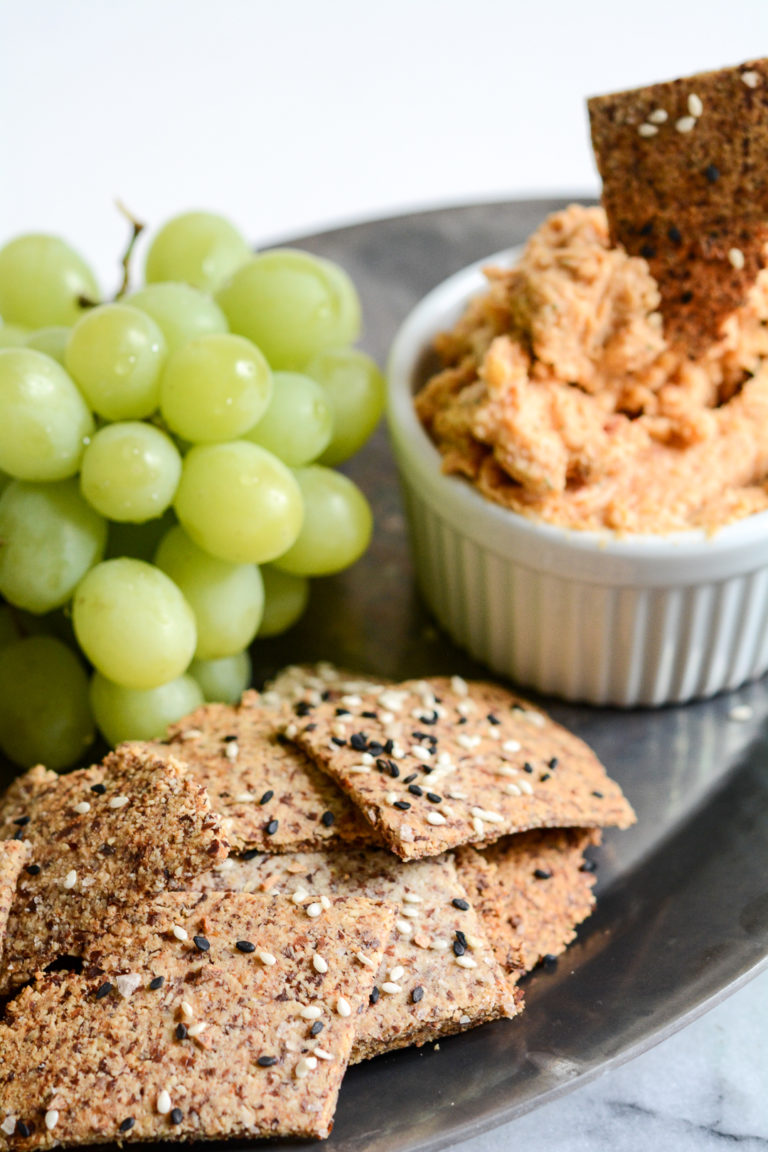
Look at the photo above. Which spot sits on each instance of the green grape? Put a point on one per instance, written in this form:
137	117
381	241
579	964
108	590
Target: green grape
50	538
141	714
292	305
297	424
215	388
285	600
133	623
181	312
227	599
239	502
116	354
45	422
138	541
130	471
197	248
356	392
52	341
337	524
223	681
13	336
42	282
45	715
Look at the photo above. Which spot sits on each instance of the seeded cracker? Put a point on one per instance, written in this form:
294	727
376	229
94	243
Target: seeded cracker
438	974
683	166
270	795
13	855
437	763
99	837
531	892
192	1020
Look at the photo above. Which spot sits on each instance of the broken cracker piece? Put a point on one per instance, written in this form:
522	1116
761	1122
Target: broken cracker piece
437	763
271	797
683	166
438	974
184	1026
13	856
531	891
99	837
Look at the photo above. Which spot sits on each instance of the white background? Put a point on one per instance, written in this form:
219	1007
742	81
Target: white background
289	115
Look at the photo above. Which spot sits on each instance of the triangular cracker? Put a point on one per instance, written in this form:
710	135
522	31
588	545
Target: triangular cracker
685	186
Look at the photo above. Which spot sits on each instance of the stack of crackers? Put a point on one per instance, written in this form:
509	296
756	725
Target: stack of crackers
197	936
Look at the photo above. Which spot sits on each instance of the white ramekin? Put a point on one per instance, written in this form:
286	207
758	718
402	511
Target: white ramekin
642	620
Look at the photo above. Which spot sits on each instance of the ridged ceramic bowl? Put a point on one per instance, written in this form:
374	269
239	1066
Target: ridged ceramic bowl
588	616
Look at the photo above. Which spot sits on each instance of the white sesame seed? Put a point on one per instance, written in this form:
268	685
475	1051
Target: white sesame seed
326	902
291	731
695	106
51	1119
358	769
411	912
245	798
736	257
179	932
404	927
435	818
339	730
489	817
658	116
411	898
392	797
191	734
299	896
398	751
8	1125
118	802
466	961
493	733
342	1007
366	960
321	1052
186	1010
366	758
465	707
70	879
647	130
467	742
536	718
751	79
319	964
513	790
128	983
444	760
232	750
311	1012
526	786
315	909
419	752
440	945
685	124
397	972
457	796
265	957
506	770
390	988
464	1019
163	1102
386	717
392	701
740	712
511	746
305	1065
82	808
197	1029
478	826
352	700
459	686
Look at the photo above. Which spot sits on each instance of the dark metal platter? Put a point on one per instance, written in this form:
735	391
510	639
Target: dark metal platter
682	914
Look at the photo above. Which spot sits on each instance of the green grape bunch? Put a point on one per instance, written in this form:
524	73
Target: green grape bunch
167	475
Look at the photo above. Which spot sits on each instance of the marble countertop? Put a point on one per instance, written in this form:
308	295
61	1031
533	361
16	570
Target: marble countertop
704	1088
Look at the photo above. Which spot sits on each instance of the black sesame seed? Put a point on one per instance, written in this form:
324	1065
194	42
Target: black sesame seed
415	790
271	828
343	712
417	994
648	251
358	741
103	990
99	789
325	696
647	229
493	719
127	1124
230	738
310	727
419	735
389	747
554	763
18	834
33	869
176	1116
458	948
686	297
542	873
337	740
712	173
23	1129
181	1031
588	866
402	805
461	720
431	719
327	819
266	1061
394	771
375	748
281	738
374	996
265	799
245	946
382	764
370	715
21	821
302	708
528	768
201	943
251	854
549	961
156	982
545	776
461	937
460	903
410	777
434	798
674	234
316	1028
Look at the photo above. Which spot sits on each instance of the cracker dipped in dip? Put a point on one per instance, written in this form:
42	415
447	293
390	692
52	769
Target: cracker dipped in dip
617	377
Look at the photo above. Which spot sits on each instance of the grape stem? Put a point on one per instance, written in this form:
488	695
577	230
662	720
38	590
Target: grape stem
137	227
